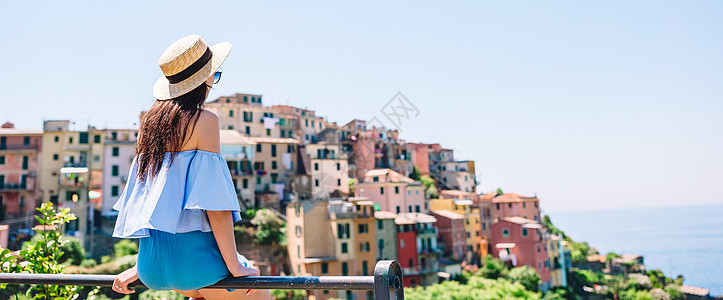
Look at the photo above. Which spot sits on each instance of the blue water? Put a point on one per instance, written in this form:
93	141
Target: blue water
676	240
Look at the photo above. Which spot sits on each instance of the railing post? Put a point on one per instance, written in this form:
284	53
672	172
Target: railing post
388	282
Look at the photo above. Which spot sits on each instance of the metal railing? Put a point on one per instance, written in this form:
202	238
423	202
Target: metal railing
386	282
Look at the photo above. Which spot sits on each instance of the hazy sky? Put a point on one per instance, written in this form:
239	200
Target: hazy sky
590	105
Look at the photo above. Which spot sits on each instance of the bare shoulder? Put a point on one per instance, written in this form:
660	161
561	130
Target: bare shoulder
208	131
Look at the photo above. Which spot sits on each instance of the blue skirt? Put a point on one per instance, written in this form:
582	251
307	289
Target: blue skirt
181	261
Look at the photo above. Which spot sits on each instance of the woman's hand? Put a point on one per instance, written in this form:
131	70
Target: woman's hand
120	284
238	270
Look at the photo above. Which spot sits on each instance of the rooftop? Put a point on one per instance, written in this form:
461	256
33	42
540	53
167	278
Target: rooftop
233	137
414	218
448	214
272	140
392	176
512	198
383	214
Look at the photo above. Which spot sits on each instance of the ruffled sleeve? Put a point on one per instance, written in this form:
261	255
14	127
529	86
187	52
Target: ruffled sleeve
209	185
177	198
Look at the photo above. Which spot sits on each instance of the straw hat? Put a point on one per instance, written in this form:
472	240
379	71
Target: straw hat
186	64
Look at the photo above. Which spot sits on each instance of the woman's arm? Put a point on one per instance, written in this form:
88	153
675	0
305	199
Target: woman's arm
222	226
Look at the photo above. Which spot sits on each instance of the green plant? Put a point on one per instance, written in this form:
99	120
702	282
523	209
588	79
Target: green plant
43	256
288	294
124	248
492	268
526	276
270	229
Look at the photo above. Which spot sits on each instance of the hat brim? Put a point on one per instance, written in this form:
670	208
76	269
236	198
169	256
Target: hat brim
164	90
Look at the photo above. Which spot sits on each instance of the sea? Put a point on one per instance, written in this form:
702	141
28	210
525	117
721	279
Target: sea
677	240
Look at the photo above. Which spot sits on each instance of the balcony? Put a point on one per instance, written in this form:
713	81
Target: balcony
73	177
79	164
430	230
11	187
19	148
242	173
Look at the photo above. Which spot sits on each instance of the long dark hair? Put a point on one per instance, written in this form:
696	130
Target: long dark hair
164	127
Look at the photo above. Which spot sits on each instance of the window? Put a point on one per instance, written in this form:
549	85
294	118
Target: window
467	234
2	159
26	140
345	270
114	170
57	138
248	130
258	148
380	224
364	247
273	165
245	183
396	190
324	268
401	243
338	166
230	113
363	228
376	178
338	182
115	151
316	166
365	268
344	248
505	232
316	182
398	209
83	139
342	231
524	232
96	139
290	148
55	156
298	230
114	190
25	162
381	190
416	208
268	132
497	206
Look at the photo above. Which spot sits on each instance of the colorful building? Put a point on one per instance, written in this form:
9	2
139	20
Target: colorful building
20	151
393	191
464	204
418	253
519	241
239	152
452	236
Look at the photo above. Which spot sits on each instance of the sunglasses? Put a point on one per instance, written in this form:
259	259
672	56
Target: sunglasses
217	75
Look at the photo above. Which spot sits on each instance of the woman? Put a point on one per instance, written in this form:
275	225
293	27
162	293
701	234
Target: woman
179	200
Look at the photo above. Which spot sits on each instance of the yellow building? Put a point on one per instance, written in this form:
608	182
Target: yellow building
334	237
460	203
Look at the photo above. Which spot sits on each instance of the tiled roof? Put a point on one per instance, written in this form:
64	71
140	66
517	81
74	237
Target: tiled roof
694	290
15	131
511	198
383	214
233	137
414	218
274	140
448	214
392	175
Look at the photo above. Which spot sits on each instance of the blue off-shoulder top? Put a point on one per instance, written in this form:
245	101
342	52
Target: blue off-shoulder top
175	200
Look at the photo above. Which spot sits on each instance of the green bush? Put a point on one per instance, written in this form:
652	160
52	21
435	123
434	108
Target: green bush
88	263
492	268
288	294
477	288
125	247
526	276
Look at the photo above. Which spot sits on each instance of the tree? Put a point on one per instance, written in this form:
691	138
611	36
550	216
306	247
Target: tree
615	285
415	174
492	268
527	276
270	229
500	192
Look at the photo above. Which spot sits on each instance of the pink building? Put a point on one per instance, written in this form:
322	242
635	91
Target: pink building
513	205
19	167
420	156
518	241
451	232
393	192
